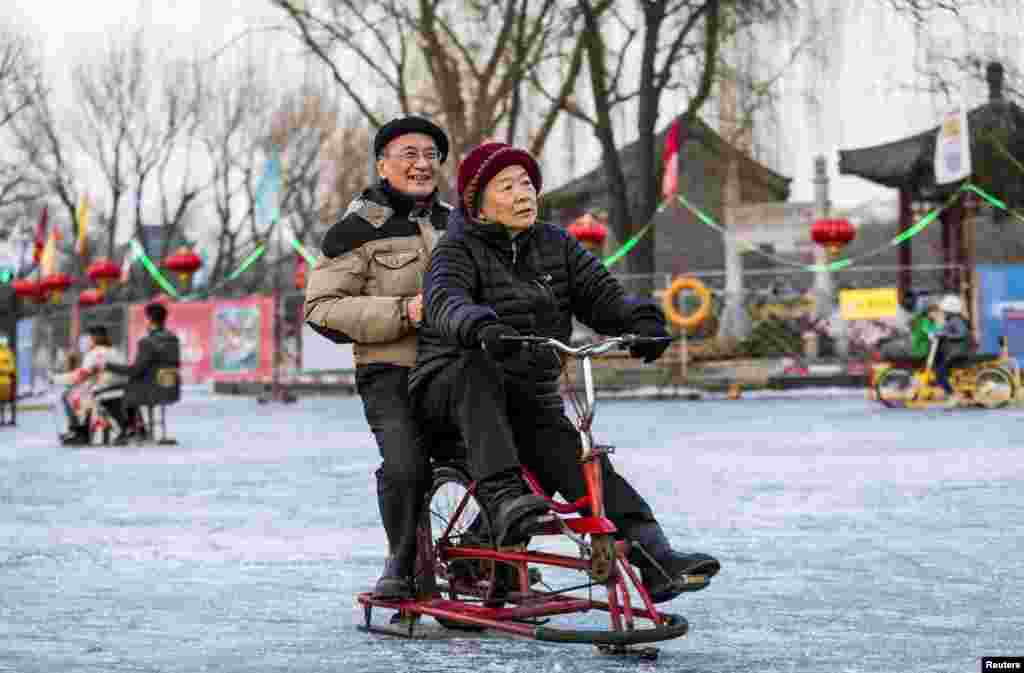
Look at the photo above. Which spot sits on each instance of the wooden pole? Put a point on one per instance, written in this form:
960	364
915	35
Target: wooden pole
903	251
971	297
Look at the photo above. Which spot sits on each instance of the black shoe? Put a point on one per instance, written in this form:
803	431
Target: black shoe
517	514
666	573
682	572
395	584
125	438
75	438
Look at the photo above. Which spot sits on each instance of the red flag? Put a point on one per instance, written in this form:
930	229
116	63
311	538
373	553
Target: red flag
40	242
670	162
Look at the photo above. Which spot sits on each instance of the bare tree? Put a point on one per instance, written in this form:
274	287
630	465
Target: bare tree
944	67
678	44
135	123
463	62
45	157
21	87
323	159
326	158
233	133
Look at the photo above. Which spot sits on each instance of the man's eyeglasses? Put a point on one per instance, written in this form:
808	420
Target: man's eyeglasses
411	155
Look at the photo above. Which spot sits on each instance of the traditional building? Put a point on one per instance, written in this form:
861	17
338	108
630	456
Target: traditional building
996	129
682	242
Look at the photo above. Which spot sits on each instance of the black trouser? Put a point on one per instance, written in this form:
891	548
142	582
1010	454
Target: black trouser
504	426
115	407
74	425
127	417
946	358
404	476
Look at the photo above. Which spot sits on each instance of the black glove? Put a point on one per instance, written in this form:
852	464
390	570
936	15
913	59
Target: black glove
652	350
490	339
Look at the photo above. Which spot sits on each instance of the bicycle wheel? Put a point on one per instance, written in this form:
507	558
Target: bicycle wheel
993	388
893	387
462	579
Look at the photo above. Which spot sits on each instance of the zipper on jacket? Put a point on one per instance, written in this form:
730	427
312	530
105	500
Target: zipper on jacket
513	253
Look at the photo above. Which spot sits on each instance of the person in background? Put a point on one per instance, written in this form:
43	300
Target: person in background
8	382
159	349
85	381
922	327
954	342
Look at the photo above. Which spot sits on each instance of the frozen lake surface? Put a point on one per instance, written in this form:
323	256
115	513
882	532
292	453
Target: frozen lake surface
852	538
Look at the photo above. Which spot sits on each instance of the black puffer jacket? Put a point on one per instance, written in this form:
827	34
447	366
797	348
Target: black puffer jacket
535	283
159	350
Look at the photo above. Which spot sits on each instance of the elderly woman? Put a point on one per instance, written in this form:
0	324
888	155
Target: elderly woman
498	272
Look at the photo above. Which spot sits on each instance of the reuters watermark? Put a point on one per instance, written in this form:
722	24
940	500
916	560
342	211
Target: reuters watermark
1007	664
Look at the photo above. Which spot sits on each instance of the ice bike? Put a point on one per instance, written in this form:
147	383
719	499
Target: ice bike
468	583
988	380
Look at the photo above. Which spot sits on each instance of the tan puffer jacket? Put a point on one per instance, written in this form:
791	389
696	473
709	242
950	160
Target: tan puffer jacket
361	293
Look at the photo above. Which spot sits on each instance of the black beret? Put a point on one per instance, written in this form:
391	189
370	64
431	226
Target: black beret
410	124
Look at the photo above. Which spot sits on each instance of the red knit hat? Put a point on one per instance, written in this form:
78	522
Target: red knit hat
484	162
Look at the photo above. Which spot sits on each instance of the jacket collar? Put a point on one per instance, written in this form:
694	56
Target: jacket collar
400	202
493	234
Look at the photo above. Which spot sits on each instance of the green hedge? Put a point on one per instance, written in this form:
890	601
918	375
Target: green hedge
772	338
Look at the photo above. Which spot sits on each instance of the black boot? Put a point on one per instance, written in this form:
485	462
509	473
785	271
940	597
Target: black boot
516	513
665	572
399	510
76	436
396	583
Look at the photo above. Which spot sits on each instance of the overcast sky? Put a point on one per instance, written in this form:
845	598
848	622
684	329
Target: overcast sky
862	107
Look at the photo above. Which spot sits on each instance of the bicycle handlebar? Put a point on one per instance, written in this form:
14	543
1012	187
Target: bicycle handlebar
588	350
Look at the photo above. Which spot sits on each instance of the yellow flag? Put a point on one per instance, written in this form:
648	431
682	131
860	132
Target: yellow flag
82	217
48	260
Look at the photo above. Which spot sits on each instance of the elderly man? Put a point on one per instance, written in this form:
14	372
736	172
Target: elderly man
367	290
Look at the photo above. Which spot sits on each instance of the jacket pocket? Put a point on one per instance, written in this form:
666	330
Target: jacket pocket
396	260
397	274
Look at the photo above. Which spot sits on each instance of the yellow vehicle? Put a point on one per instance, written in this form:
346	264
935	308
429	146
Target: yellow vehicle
986	380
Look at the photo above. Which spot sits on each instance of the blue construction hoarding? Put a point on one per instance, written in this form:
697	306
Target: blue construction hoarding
1001	307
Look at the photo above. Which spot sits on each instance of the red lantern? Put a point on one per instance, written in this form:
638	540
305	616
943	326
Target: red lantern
102	271
300	275
833	235
589	231
184	262
55	284
90	297
28	289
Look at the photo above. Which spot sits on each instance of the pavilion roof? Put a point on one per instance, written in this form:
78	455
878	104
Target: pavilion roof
909	163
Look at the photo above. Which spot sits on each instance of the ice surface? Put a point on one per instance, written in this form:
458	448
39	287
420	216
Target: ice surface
853	538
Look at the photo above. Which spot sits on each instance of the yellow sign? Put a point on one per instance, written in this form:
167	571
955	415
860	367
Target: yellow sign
869	304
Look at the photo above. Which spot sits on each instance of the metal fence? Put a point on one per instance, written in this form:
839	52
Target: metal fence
781	312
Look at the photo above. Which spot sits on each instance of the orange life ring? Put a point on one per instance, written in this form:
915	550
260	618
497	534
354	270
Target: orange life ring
668	302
